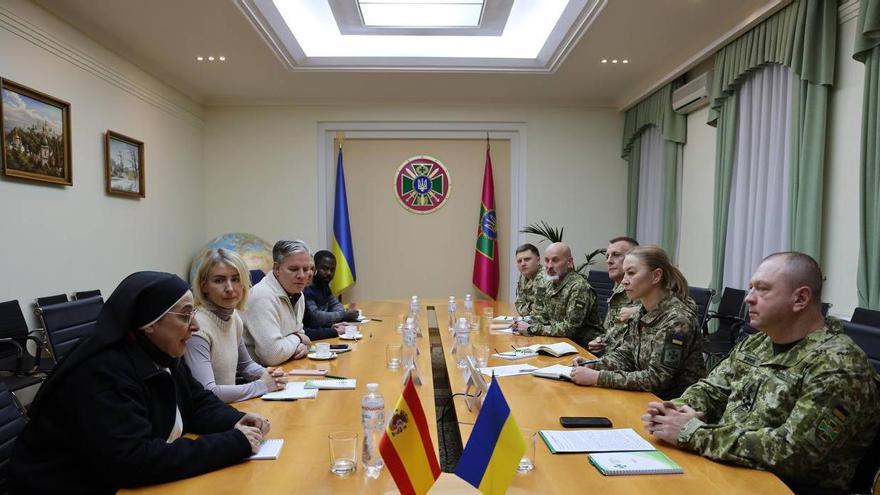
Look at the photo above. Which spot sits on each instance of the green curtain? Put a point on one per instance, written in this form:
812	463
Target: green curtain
632	213
867	51
803	37
656	110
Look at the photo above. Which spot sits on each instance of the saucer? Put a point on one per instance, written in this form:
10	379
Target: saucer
314	355
357	336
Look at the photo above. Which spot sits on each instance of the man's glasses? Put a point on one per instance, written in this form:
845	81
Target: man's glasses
185	317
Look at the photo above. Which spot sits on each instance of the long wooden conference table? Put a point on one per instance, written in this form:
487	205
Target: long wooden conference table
536	403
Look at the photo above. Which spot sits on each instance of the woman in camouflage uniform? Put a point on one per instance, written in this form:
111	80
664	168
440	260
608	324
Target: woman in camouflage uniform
662	352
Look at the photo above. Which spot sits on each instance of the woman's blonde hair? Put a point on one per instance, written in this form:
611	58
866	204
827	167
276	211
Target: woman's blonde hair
213	258
672	279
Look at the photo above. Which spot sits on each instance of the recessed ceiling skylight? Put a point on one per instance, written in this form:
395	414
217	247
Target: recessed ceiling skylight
421	13
510	35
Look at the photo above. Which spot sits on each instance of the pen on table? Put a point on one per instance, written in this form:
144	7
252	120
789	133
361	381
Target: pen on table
336	377
377	319
515	350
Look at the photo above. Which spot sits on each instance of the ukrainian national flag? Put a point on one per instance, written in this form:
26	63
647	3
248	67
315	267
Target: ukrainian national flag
342	247
496	445
406	446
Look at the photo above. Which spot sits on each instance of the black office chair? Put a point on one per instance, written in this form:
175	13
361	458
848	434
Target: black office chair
42	302
865	316
67	323
730	318
868	338
11	425
604	286
702	296
14	336
867	475
256	276
86	294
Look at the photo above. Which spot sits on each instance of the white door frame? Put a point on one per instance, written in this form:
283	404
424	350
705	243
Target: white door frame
513	131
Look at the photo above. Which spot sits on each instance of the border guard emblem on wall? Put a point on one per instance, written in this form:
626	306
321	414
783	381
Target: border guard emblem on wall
421	184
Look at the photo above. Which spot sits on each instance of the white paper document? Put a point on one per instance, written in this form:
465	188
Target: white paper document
293	390
616	440
502	318
509	370
501	328
513	355
332	384
269	449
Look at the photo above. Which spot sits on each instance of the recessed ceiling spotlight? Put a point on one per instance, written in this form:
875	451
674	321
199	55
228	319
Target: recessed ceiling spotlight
625	61
223	59
211	59
200	58
613	61
604	60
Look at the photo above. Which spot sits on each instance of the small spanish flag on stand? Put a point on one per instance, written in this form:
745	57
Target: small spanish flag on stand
406	446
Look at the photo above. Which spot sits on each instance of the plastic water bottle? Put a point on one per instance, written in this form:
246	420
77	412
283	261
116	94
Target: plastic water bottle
462	342
414	315
469	309
409	345
452	309
373	421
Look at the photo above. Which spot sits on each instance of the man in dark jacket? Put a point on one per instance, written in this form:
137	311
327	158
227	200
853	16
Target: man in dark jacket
112	414
323	307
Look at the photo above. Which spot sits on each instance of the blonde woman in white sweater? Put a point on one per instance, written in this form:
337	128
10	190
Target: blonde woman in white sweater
216	353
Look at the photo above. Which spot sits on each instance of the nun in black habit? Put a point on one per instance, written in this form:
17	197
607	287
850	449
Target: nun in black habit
111	415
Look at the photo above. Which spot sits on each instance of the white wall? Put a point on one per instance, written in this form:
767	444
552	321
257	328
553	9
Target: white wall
62	239
265	157
840	224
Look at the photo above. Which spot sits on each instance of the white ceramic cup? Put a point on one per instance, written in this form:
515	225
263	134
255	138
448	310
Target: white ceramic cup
351	331
322	350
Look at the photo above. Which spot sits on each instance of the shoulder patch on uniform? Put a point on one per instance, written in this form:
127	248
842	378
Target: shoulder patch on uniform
579	305
673	351
676	339
830	423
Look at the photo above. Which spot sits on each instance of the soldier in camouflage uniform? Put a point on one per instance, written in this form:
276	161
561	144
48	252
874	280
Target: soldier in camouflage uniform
528	262
616	317
799	399
662	351
565	303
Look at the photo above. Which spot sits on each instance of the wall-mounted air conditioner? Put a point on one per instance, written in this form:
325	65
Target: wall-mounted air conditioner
693	95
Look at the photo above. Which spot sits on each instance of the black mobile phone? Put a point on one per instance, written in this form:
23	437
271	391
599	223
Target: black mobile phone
584	422
336	347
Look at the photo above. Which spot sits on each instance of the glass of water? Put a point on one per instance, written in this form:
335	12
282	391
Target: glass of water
392	355
527	462
343	452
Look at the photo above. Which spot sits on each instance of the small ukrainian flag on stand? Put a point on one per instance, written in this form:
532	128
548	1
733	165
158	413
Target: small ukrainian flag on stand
495	447
342	248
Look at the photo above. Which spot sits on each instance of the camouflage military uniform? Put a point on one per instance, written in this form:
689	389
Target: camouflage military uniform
566	310
525	292
662	352
807	413
615	330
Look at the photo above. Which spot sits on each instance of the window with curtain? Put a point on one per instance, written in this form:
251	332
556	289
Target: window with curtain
758	220
649	219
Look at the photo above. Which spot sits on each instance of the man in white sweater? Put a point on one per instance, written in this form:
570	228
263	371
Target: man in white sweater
274	316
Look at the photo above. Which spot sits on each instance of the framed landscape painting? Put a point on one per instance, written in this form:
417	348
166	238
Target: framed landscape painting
36	135
124	160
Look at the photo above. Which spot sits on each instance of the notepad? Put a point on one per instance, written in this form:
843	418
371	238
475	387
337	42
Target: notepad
502	318
555	372
292	391
557	349
346	384
269	449
625	463
614	440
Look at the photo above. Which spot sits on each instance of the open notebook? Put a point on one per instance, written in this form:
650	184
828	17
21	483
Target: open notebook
269	449
292	391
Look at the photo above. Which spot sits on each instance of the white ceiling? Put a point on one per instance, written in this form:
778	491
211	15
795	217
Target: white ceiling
163	37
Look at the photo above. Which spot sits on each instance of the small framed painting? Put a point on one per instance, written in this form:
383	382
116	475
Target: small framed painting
35	135
124	161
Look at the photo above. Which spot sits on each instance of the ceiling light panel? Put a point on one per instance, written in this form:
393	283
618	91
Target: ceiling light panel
421	14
